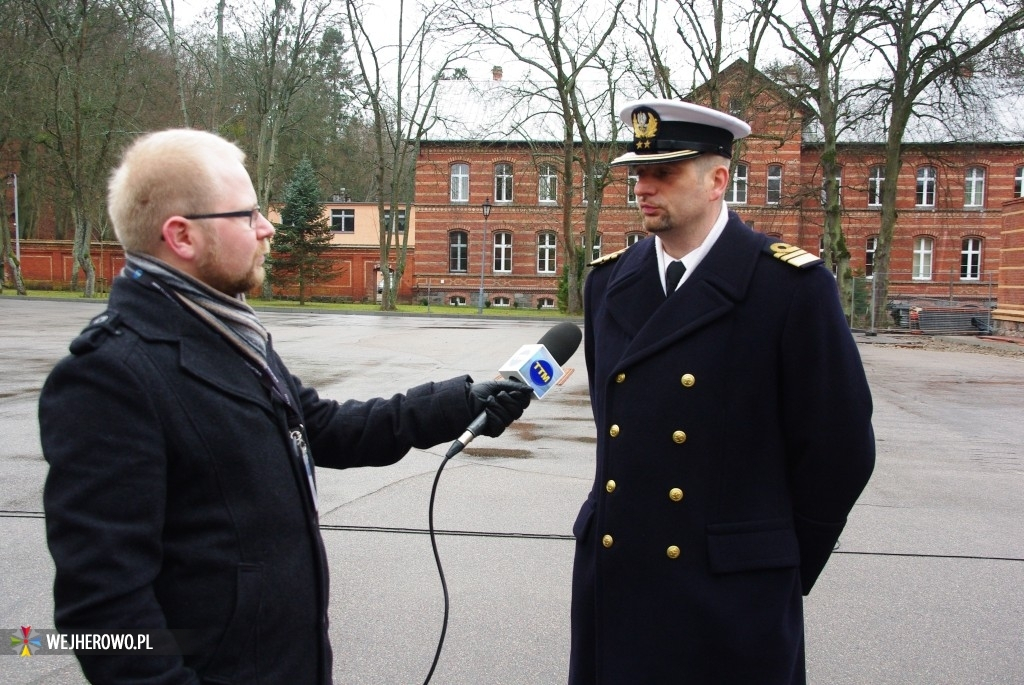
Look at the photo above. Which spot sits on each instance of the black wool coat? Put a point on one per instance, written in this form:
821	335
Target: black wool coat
733	438
174	499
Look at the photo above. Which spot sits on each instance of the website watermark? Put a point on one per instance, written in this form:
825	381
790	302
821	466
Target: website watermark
27	641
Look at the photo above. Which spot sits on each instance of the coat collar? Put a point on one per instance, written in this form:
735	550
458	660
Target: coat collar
202	352
636	301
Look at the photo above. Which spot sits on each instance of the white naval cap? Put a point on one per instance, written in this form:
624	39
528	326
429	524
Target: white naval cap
670	130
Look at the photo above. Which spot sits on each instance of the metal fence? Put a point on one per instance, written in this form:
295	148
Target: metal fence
944	304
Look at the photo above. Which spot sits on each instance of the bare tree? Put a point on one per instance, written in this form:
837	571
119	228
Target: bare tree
565	44
918	44
823	39
400	82
85	71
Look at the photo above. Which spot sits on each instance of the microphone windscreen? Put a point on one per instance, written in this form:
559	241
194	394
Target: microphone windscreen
562	341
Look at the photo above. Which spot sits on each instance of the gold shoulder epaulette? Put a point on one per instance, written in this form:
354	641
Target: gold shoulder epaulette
794	256
608	257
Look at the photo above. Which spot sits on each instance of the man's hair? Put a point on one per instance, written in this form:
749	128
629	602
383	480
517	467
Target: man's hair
162	174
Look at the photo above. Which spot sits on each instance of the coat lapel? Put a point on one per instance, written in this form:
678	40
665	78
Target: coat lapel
652	321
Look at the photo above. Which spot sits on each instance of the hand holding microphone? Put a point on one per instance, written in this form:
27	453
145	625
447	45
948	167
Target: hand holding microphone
530	372
500	403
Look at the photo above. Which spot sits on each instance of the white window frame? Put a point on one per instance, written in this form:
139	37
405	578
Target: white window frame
459	182
503	183
457	301
343	220
876	177
547	244
870	247
970	259
736	193
633	238
924	253
974	187
547	184
1018	182
546	303
501	302
927	180
631	181
502	252
773	186
462	254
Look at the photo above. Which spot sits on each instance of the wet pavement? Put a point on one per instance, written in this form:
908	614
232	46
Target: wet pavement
927	586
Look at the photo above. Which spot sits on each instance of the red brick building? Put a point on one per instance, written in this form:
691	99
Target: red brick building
947	243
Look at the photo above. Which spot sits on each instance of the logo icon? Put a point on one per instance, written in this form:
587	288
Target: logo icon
541	372
25	642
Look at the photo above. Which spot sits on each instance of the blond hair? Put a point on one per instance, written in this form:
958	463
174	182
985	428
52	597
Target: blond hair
163	174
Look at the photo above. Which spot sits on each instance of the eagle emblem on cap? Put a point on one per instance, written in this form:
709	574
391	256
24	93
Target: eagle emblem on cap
645	127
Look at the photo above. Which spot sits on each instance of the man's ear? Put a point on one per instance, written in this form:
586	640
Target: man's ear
178	236
718	181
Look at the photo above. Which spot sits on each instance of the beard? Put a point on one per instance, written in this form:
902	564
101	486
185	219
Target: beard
214	273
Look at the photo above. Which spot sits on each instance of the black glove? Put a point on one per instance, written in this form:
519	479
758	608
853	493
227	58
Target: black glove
504	401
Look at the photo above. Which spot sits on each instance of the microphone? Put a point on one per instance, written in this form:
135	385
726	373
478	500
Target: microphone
538	366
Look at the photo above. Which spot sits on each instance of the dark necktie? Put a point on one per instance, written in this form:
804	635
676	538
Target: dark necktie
673	273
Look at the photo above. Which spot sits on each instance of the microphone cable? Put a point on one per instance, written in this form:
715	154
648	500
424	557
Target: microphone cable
440	571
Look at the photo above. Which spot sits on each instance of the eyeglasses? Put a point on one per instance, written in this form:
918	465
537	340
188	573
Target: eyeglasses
253	214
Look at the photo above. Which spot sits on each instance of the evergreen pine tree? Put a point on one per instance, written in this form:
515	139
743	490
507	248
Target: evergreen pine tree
303	236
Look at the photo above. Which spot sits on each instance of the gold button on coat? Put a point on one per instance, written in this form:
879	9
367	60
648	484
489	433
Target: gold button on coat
610	486
675	494
614	430
619	378
672	552
687	380
679	437
607	541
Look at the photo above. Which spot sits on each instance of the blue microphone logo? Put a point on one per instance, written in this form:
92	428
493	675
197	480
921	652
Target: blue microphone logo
541	372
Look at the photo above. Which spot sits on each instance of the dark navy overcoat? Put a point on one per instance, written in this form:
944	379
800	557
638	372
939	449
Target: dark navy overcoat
733	438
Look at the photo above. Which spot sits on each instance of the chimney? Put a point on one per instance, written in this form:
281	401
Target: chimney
496	73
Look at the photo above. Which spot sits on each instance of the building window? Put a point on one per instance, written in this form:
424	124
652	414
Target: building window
503	182
546	303
1018	182
876	177
595	251
547	184
633	238
401	220
922	267
774	191
869	256
839	189
343	220
546	252
460	183
587	191
970	259
502	252
926	187
736	193
458	251
501	302
457	301
631	179
974	187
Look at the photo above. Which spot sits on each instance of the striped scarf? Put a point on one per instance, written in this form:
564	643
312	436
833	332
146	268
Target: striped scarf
229	316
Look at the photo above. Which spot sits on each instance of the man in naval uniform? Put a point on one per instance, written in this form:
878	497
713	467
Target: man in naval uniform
733	429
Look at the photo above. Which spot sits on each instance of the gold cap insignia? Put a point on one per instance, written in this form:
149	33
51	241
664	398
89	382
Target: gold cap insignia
645	127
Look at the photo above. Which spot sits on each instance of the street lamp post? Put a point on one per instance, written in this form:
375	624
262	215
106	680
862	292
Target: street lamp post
17	231
483	254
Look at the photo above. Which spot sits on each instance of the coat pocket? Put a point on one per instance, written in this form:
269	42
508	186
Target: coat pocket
234	659
752	546
581	527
